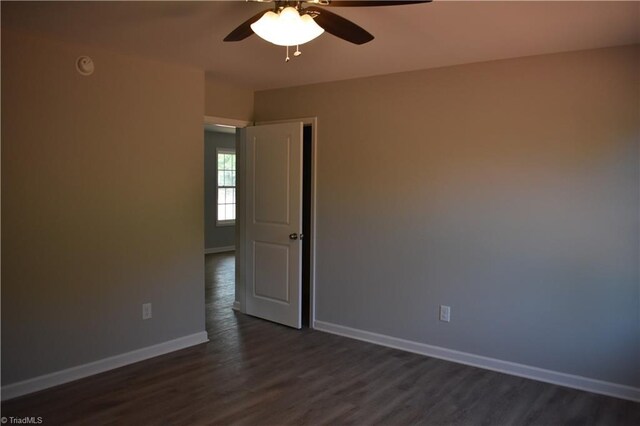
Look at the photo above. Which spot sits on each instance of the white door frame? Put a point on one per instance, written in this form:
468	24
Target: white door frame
226	121
306	121
238	303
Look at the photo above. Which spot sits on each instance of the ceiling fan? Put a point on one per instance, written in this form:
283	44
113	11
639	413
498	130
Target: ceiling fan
291	23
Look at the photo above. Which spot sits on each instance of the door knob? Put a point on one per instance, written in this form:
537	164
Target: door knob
293	236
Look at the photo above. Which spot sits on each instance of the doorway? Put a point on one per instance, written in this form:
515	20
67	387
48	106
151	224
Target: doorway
307	276
220	221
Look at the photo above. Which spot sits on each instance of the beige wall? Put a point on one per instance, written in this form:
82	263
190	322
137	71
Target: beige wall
102	196
228	101
507	190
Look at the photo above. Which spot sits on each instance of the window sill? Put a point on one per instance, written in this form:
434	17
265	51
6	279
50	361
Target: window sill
226	223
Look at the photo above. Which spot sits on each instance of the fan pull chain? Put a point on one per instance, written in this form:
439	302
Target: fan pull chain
295	54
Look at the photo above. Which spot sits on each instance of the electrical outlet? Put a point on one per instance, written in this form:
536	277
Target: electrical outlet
146	311
445	313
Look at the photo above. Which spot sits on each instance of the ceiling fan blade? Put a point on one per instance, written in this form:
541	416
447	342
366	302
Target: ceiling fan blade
244	30
339	26
367	3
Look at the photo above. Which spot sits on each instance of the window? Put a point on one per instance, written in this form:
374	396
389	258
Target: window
226	187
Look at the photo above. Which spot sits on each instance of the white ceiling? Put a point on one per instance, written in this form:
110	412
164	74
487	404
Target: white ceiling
407	37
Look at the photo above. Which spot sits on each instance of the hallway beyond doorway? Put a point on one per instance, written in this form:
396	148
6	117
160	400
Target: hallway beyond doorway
219	293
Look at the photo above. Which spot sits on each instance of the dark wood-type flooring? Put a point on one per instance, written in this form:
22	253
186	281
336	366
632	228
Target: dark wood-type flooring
254	372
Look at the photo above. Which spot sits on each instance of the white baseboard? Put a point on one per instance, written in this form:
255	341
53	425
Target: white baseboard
219	249
74	373
236	306
515	369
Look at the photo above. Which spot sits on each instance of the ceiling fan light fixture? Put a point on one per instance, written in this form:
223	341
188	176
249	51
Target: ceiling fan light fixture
286	28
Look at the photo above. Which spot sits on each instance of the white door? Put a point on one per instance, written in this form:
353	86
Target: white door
274	222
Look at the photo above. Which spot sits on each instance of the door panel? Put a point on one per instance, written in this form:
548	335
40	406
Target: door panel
274	212
272	271
272	175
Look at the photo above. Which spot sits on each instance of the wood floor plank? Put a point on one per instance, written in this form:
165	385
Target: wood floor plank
254	372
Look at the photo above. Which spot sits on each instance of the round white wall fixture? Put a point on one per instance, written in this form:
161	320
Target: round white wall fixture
85	65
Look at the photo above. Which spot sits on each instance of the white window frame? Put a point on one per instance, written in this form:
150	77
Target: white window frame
218	152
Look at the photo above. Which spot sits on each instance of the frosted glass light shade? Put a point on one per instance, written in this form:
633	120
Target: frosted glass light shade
286	28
